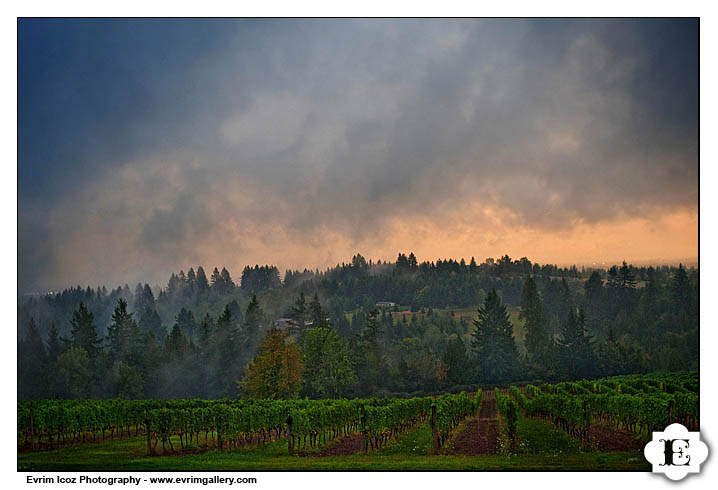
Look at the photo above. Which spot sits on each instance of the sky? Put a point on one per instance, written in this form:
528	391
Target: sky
146	146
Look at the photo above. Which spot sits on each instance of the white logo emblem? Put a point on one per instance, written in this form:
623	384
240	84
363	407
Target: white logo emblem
676	452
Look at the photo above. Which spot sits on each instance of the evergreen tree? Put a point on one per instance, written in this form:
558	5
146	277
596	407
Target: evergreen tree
202	284
566	301
128	381
372	366
176	344
253	320
227	282
226	343
299	310
576	356
627	277
613	281
139	304
83	333
412	262
206	330
532	312
191	279
186	323
74	372
317	314
150	322
55	349
54	346
680	290
32	364
457	362
123	335
593	299
493	341
144	298
236	311
373	329
402	263
216	282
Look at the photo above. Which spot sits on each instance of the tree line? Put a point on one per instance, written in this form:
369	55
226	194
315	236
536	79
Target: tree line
586	323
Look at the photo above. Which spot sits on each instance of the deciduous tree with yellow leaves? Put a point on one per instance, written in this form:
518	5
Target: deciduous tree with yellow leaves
276	370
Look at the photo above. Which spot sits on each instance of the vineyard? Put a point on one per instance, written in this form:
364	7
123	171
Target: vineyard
225	424
630	406
637	405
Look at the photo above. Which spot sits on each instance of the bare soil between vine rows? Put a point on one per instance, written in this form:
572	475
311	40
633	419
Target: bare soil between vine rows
342	447
605	439
481	434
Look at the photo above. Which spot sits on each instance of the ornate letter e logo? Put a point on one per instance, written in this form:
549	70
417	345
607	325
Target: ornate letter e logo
676	452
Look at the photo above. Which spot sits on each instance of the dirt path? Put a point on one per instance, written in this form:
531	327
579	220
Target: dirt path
481	434
341	447
606	439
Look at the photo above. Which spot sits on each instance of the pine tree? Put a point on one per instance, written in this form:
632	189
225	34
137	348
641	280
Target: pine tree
566	300
457	362
493	341
150	322
123	335
202	284
593	299
317	314
680	290
139	306
186	323
532	313
226	322
54	347
144	298
206	330
613	279
83	333
627	276
226	344
32	363
373	330
227	282
253	320
191	279
412	262
576	356
236	311
299	310
176	344
402	263
216	282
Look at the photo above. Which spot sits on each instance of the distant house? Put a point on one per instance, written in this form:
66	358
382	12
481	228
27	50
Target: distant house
386	304
286	324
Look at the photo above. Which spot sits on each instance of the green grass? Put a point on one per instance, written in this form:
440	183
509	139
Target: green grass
410	451
541	437
415	442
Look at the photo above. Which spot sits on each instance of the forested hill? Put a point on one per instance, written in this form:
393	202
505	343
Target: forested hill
642	311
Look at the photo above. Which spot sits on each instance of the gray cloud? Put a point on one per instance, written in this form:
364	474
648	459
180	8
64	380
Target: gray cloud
331	130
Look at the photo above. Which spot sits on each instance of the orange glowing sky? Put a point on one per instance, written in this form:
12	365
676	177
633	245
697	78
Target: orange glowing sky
150	147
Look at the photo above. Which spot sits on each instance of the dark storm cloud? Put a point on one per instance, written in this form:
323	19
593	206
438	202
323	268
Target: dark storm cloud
211	140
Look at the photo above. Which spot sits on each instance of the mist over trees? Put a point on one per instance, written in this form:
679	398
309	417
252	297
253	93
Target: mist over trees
361	328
